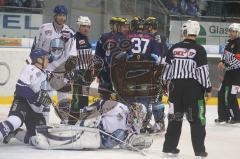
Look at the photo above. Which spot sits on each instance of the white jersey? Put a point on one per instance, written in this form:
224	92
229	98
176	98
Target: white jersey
48	32
116	118
33	78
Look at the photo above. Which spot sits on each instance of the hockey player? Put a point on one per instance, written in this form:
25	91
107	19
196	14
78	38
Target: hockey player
65	63
124	26
151	26
227	96
30	102
188	71
146	46
118	125
106	46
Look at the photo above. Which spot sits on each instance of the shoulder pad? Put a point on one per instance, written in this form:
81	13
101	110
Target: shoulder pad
46	25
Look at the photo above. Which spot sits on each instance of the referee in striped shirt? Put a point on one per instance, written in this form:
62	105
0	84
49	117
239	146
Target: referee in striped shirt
188	73
227	96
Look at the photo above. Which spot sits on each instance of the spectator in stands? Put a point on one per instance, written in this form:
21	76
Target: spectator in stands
192	8
2	2
203	5
16	3
174	7
34	3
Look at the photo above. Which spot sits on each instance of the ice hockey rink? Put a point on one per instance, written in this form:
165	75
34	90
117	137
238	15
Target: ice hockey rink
222	142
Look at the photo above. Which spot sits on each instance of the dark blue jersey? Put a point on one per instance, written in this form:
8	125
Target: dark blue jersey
144	43
108	44
161	39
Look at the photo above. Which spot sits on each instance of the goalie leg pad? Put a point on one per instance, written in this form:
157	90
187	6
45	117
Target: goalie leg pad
139	141
67	137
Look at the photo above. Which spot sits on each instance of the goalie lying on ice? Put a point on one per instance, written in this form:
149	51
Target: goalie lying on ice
117	125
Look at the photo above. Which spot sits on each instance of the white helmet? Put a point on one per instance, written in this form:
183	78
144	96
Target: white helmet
82	20
191	28
234	27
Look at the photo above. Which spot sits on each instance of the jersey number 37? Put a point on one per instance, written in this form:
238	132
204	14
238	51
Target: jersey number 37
140	45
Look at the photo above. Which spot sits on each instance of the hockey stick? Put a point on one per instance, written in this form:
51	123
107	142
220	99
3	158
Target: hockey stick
57	111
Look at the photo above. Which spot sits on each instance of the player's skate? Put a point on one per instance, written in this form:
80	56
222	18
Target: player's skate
221	121
11	135
234	121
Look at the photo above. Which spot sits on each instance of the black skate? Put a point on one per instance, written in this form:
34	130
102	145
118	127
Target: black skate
201	155
172	153
234	121
221	121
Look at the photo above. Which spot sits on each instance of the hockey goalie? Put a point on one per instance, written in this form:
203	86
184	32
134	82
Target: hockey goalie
104	124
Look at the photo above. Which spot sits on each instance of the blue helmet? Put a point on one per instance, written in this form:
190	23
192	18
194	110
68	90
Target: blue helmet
60	9
37	53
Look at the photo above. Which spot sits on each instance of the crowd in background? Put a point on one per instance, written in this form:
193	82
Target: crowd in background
187	7
23	3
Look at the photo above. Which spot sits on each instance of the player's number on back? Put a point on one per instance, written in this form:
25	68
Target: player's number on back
140	45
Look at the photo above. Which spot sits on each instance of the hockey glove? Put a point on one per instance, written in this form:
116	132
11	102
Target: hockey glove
70	63
43	99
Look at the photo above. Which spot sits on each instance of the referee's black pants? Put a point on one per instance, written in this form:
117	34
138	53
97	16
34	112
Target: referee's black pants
186	97
227	96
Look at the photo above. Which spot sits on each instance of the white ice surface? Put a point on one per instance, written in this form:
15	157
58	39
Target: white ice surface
222	142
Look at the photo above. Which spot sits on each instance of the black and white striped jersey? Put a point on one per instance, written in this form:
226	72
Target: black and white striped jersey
231	56
187	60
84	51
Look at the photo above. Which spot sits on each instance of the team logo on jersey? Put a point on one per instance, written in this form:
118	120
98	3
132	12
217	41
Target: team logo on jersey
184	53
48	32
38	74
119	117
81	42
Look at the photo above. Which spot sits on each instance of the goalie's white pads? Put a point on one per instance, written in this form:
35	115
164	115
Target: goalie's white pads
138	141
66	137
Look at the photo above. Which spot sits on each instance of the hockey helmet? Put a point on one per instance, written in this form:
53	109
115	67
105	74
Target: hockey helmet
123	21
83	20
235	27
37	53
151	21
191	28
137	23
60	9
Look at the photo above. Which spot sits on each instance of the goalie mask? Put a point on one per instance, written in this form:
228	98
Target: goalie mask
137	113
57	48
